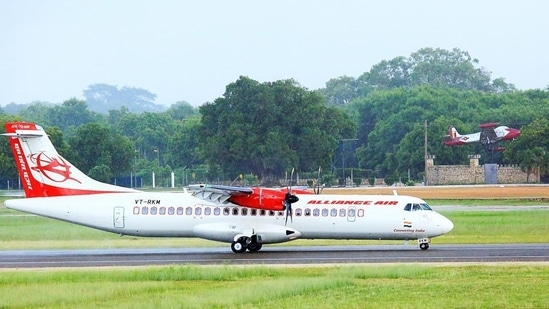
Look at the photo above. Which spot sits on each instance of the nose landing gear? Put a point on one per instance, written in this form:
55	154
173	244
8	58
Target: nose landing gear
424	243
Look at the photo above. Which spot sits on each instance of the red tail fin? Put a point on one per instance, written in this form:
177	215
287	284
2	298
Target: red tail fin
43	171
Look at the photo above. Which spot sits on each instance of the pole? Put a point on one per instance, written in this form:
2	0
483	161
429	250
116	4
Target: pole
425	179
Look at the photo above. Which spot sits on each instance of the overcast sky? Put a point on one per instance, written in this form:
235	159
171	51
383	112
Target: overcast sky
190	50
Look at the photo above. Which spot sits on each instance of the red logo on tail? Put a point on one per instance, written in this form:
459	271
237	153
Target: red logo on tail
55	169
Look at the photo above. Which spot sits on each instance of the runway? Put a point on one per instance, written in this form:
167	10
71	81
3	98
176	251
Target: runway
275	255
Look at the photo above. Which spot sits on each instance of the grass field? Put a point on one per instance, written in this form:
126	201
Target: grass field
376	286
504	285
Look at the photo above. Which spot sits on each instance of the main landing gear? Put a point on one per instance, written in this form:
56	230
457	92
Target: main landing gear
424	243
246	243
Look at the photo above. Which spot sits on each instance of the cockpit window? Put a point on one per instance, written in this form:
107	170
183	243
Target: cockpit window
416	207
426	207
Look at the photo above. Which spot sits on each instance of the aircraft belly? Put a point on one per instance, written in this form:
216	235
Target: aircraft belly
226	232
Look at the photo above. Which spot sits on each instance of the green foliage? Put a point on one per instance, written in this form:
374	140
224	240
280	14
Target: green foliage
102	98
268	128
94	145
389	180
392	123
532	147
328	180
101	172
250	180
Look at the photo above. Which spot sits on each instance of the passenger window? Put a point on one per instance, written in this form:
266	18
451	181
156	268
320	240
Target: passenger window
325	212
226	211
298	212
244	211
307	212
162	210
136	210
253	212
179	211
342	212
333	213
217	211
316	212
207	211
280	213
235	211
198	211
271	213
145	210
352	212
360	212
154	210
262	212
189	211
171	211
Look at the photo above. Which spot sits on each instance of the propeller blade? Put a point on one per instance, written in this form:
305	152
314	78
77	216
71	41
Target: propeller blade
316	189
289	198
288	212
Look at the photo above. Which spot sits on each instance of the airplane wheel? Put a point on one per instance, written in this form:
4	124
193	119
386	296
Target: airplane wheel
254	247
424	246
238	247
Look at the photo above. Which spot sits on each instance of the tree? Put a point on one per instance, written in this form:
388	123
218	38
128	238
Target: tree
94	145
267	129
183	144
150	133
102	98
340	91
181	110
426	67
443	68
531	149
71	114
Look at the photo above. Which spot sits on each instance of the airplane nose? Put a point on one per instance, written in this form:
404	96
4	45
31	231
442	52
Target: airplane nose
446	225
514	133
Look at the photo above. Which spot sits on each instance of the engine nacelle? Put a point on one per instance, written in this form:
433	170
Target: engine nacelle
226	232
265	198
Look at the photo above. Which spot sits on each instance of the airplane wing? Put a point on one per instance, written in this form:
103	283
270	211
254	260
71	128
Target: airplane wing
218	194
488	134
276	199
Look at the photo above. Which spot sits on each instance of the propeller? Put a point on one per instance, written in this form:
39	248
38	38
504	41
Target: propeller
318	188
289	199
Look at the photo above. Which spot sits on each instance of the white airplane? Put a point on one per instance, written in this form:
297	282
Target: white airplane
489	136
247	218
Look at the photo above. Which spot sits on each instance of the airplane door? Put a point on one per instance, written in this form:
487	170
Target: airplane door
118	217
351	214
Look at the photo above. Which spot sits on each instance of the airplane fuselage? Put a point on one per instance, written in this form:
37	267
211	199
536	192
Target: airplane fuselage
501	133
183	215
